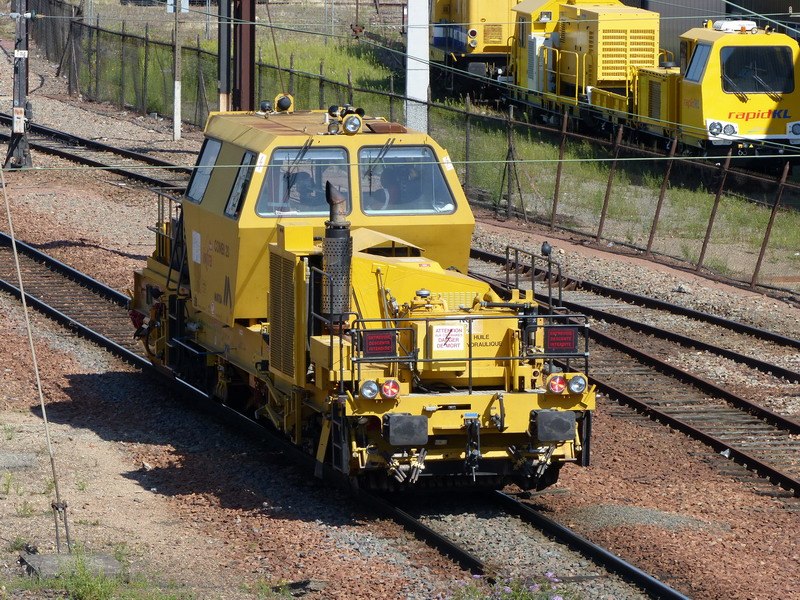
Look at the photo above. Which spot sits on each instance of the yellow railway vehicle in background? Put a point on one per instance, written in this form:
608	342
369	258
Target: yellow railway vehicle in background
733	84
290	282
474	36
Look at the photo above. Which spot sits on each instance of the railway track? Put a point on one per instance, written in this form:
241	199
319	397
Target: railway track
99	313
744	431
150	170
475	522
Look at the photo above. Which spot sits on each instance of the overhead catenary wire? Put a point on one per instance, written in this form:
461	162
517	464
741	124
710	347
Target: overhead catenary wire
59	507
779	149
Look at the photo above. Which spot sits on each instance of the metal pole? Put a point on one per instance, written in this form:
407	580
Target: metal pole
19	154
617	144
176	102
224	55
467	126
713	215
558	170
510	161
661	196
768	232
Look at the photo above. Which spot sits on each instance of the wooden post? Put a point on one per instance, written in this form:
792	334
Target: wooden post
661	195
617	145
558	170
768	232
713	215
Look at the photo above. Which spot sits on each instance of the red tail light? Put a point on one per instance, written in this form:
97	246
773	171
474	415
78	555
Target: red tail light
390	389
557	384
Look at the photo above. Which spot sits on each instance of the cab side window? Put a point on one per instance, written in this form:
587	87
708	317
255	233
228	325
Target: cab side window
240	185
697	65
294	184
203	170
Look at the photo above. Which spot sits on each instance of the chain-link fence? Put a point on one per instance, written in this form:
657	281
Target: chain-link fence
612	190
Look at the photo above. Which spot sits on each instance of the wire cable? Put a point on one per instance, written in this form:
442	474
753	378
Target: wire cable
59	507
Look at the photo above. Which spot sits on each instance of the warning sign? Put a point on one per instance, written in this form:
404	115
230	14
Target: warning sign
448	337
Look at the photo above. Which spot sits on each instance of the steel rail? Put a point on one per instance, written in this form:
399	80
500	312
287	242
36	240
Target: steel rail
763	469
573	283
445	545
683	340
88	285
72	141
730	450
597	554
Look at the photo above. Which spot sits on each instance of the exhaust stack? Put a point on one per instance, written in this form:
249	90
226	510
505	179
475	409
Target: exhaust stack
337	249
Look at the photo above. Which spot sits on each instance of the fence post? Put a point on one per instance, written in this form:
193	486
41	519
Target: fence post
146	66
349	87
291	74
510	161
74	79
97	61
259	84
122	69
649	251
713	215
768	232
617	145
558	170
391	98
322	84
467	127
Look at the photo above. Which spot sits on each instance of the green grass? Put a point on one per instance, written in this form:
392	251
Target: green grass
268	590
511	588
26	509
81	582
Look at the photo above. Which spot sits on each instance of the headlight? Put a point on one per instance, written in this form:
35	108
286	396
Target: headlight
715	128
473	43
472	33
352	124
729	129
333	127
390	389
577	384
557	384
796	129
369	390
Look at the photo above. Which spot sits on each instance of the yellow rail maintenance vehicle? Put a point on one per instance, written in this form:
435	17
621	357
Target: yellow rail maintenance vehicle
733	86
290	283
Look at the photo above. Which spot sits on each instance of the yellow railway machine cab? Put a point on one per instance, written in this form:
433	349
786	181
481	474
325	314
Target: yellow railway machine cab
737	86
290	282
